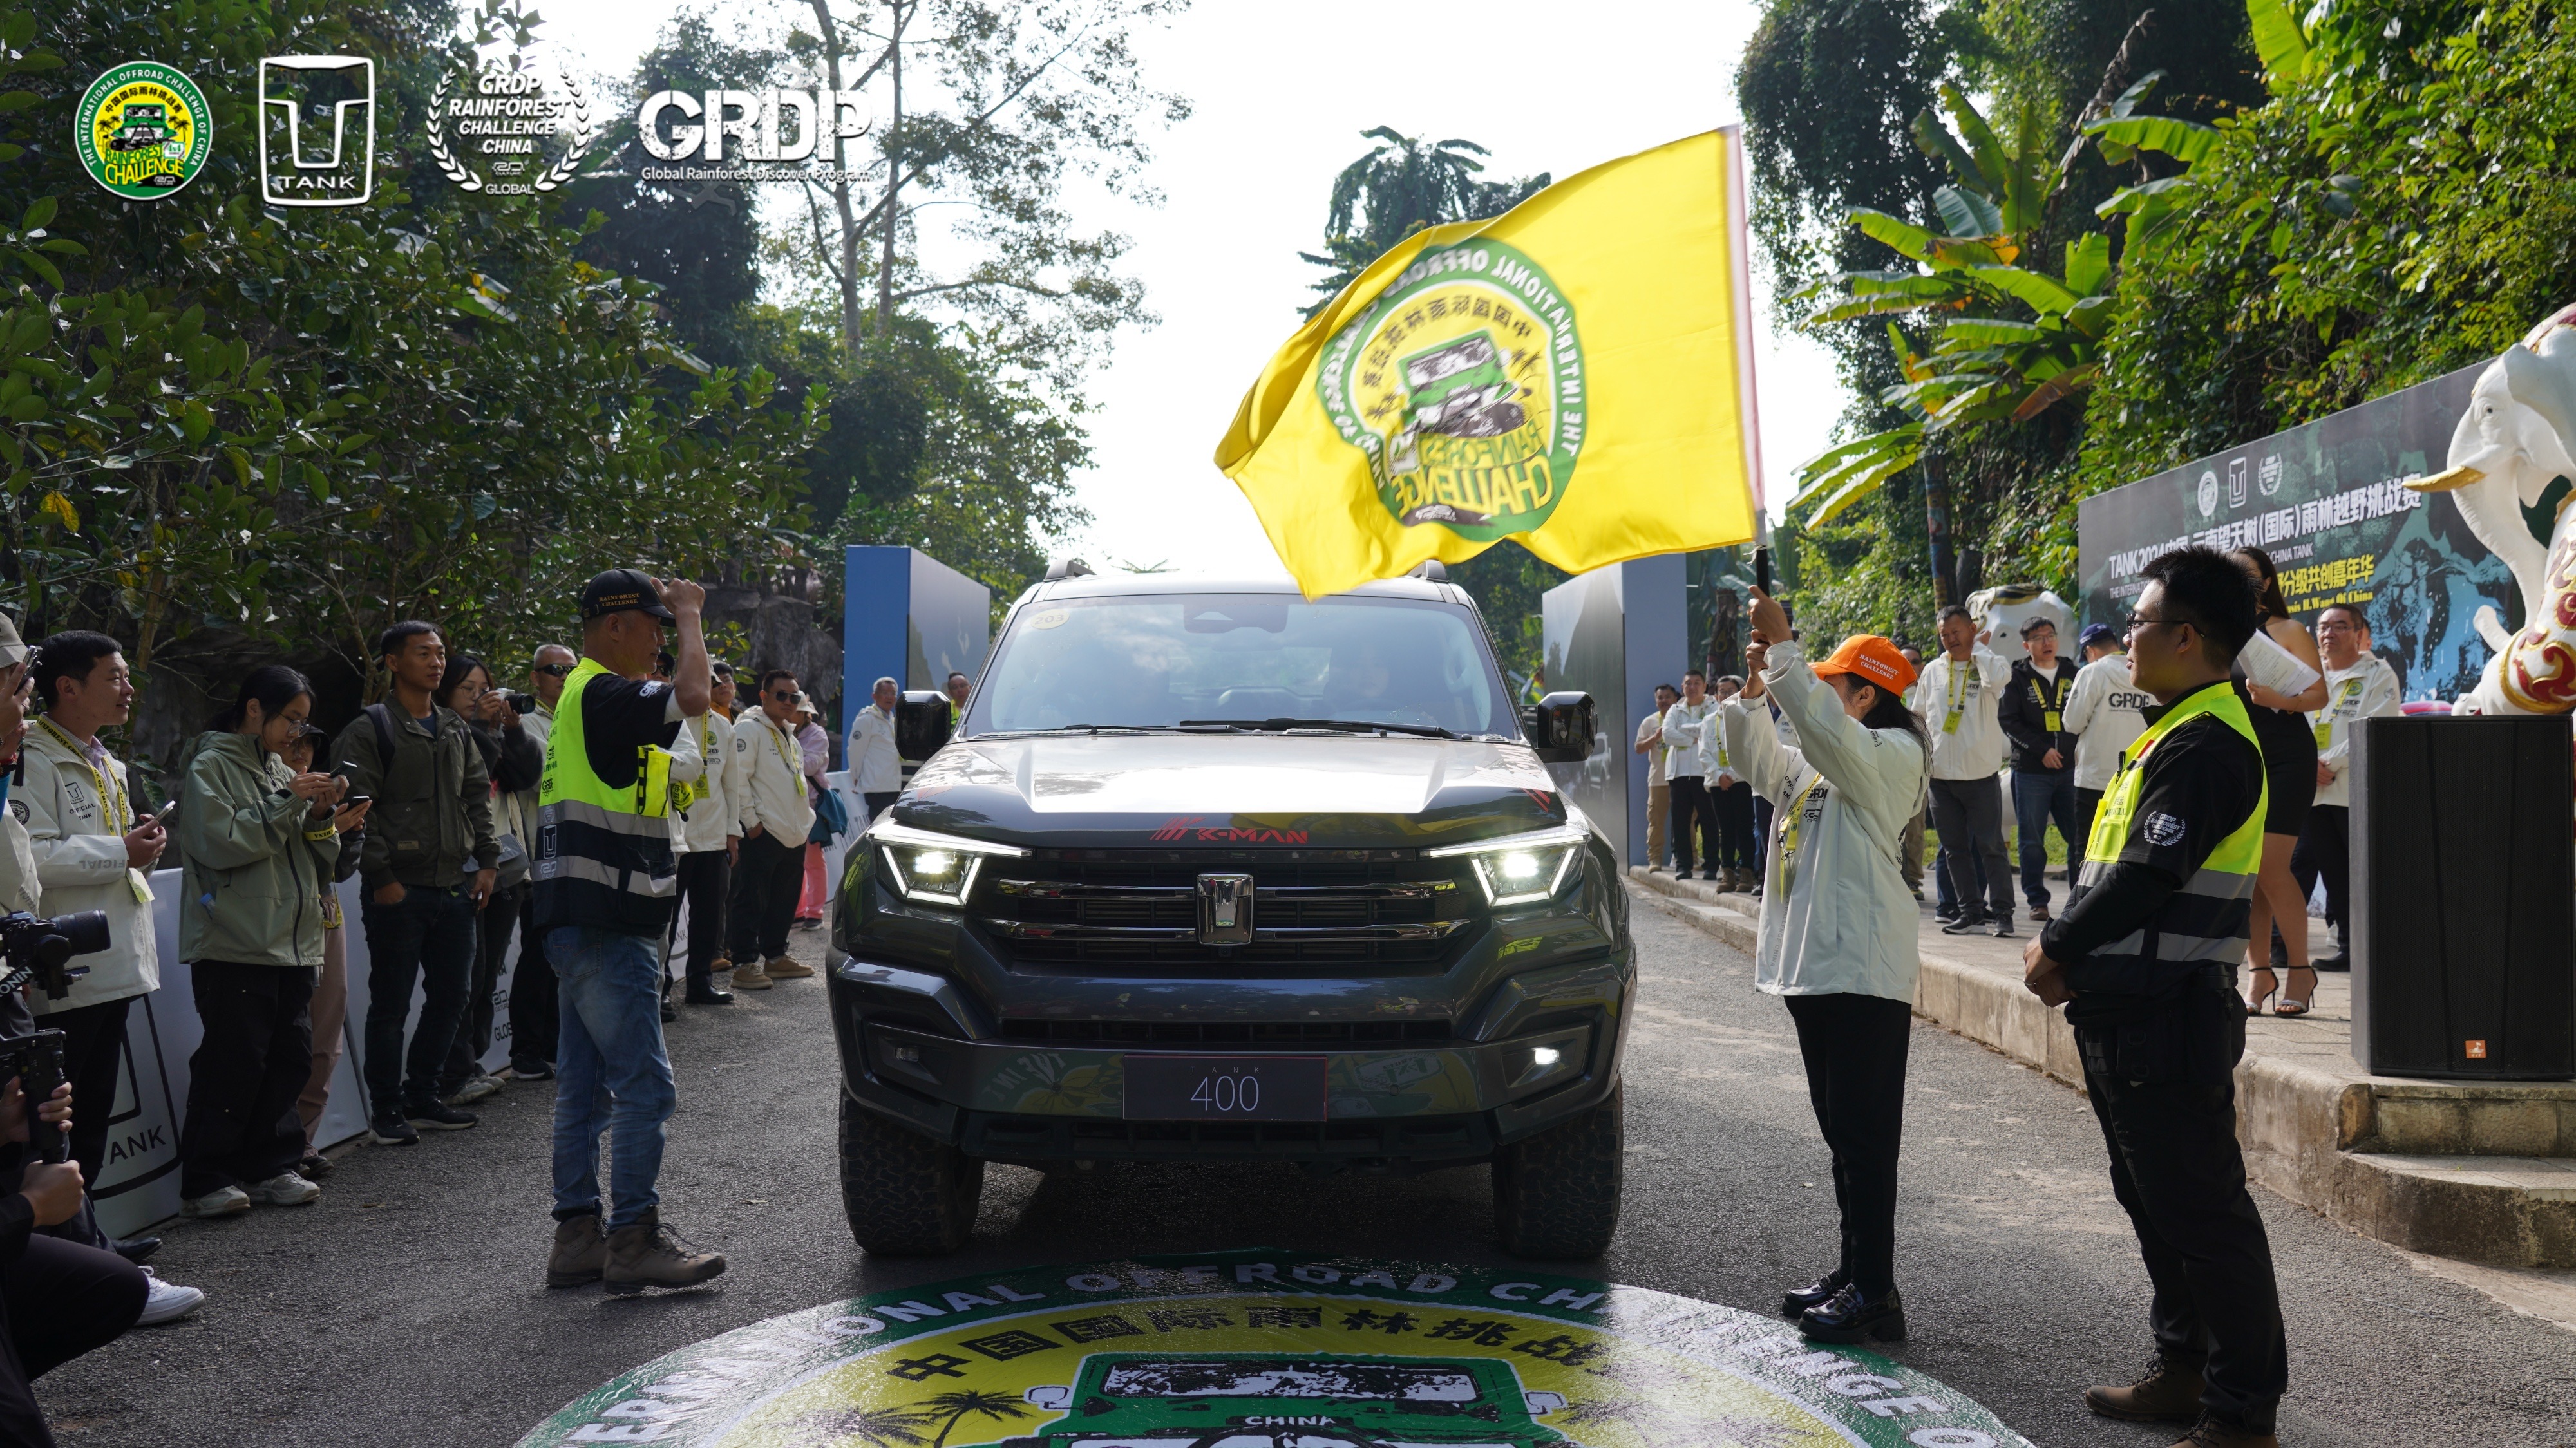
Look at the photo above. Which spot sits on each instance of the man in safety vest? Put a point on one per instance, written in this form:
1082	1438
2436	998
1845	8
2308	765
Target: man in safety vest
606	885
2144	960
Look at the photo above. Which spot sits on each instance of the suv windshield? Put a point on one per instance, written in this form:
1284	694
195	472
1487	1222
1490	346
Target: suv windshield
1160	661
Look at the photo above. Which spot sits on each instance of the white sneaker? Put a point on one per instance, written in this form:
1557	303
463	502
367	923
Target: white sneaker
286	1189
475	1089
169	1301
221	1202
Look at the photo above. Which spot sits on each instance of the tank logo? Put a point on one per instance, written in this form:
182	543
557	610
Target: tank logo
143	131
1463	383
1187	827
1250	1347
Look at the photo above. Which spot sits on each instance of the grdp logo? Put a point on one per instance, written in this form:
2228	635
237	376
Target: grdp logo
299	163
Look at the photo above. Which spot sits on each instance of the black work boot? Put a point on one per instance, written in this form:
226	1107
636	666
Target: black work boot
580	1253
2167	1392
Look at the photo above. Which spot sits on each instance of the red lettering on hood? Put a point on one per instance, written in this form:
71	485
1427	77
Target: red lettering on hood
1176	827
1186	827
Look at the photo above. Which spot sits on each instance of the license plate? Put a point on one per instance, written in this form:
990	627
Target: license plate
1225	1088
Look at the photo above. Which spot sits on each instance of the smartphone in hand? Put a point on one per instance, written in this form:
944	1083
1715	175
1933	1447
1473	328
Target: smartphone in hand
1762	569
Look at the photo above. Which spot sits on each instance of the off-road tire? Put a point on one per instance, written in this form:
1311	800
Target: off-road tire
1556	1194
904	1194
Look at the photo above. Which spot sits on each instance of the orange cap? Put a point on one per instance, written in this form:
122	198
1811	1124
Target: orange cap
1874	659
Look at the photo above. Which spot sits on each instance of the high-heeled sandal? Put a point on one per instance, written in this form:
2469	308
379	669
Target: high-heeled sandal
2292	1005
2254	1006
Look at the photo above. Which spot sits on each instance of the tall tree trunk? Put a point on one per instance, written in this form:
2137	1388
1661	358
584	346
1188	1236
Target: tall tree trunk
893	212
1936	523
849	237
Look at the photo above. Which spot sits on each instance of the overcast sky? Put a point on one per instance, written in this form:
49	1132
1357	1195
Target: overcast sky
1281	95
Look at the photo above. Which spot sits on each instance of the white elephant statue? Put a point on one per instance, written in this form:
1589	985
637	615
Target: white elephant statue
2509	445
2002	610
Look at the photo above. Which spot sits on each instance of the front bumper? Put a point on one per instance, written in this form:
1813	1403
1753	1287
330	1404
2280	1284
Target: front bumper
916	1048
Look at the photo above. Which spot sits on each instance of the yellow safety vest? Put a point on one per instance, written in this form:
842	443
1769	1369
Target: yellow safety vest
603	853
2208	920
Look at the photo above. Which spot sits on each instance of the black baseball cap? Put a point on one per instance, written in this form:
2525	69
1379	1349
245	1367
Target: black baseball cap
621	589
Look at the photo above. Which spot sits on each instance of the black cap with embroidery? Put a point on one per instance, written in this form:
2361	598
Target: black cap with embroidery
621	589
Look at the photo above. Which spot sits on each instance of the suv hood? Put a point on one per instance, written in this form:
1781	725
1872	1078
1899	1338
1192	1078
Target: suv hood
1139	789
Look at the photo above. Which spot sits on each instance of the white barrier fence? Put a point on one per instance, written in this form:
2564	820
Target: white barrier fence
138	1184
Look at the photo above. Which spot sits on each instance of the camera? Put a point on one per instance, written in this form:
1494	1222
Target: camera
37	1061
32	947
519	703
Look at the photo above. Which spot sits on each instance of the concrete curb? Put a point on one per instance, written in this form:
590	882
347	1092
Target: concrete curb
2372	1155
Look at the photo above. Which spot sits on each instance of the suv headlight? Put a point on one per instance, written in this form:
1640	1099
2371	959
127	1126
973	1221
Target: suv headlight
931	867
1517	869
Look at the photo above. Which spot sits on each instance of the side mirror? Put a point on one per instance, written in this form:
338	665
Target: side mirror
921	724
1054	1399
1560	727
1541	1404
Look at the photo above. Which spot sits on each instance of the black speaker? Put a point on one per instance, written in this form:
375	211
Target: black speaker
2463	934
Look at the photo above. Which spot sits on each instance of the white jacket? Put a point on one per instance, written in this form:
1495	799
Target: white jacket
773	793
80	862
1650	731
870	754
1836	916
1693	743
1973	747
706	824
2106	714
18	887
2366	690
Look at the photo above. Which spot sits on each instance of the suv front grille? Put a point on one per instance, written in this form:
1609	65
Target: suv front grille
1130	908
1277	1034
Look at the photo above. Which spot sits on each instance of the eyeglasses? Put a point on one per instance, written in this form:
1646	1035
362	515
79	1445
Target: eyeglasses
556	670
2138	621
786	696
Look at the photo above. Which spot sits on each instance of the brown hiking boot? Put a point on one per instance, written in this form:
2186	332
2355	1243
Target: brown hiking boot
2211	1432
2165	1393
787	967
751	977
580	1255
648	1255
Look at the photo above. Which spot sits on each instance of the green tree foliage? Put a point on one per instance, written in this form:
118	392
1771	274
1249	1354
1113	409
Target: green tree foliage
1397	189
232	428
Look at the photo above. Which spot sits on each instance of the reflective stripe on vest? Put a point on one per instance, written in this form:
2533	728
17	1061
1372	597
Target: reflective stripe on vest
601	852
2209	919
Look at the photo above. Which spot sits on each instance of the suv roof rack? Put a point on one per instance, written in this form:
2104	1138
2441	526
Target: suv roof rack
1064	568
1429	570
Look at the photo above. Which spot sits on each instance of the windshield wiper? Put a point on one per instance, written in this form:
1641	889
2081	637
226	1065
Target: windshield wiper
1346	726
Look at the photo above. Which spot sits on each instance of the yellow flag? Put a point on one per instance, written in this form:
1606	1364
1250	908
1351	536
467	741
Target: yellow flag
1575	374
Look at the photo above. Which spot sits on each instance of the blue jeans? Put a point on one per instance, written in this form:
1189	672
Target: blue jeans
2037	800
611	1073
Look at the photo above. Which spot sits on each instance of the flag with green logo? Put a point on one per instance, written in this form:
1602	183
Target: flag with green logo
1575	375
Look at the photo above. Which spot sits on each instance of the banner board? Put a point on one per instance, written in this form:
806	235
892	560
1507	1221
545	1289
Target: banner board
2327	501
1615	633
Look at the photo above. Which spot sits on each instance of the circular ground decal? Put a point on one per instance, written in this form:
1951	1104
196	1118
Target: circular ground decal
1272	1350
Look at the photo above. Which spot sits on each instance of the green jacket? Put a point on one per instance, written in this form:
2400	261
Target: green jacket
432	820
254	864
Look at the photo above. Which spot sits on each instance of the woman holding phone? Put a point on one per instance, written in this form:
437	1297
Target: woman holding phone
1838	928
257	843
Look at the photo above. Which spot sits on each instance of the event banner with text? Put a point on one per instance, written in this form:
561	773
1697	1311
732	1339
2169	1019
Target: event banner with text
2327	501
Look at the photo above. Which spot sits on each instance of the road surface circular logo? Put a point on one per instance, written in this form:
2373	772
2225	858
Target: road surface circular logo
1271	1350
143	130
1463	383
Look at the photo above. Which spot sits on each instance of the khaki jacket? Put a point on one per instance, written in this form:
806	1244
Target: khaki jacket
79	847
256	861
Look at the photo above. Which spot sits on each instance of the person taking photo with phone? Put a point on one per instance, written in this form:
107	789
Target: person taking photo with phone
258	844
1838	930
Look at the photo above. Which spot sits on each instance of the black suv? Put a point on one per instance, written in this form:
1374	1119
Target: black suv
1209	871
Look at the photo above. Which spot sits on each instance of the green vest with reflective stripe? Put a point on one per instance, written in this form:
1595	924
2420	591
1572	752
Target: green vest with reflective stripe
2208	920
603	853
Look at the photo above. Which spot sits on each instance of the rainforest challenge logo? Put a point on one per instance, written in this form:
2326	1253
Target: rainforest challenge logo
1261	1349
142	131
1463	382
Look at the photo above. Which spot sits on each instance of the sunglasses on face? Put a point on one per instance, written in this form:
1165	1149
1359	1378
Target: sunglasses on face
556	670
787	697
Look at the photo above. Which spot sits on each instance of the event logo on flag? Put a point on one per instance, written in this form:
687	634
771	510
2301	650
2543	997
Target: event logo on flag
1463	384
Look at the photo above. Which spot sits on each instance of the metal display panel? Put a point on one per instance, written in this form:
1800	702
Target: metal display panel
1615	633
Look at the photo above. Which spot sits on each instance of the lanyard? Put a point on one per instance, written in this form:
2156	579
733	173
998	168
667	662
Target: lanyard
1958	693
796	762
2346	703
2052	705
1809	805
116	811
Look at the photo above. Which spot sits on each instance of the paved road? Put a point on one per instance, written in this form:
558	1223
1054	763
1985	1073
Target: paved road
407	1308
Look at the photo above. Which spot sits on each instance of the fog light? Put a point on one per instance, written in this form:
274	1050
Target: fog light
1554	1058
911	1054
1545	1056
